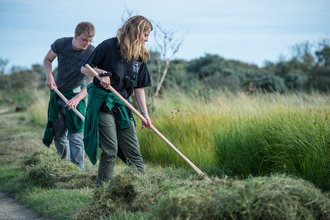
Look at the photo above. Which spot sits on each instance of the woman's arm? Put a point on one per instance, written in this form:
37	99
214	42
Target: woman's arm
105	81
140	98
73	103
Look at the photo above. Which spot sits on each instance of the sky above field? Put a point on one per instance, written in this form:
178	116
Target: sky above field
249	31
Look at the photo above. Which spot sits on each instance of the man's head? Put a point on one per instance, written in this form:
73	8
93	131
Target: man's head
84	34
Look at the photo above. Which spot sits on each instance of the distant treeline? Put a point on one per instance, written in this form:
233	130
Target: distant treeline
306	70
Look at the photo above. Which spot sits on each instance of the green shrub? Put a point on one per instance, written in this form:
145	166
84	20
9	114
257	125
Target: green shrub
295	80
270	83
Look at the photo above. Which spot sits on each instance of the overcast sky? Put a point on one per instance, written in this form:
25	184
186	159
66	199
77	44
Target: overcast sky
249	31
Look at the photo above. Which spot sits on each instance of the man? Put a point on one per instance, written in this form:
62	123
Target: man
63	123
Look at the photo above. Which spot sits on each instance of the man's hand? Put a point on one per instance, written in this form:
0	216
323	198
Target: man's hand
73	103
50	82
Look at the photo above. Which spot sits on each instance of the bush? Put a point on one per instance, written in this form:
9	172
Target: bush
270	83
295	80
223	80
4	82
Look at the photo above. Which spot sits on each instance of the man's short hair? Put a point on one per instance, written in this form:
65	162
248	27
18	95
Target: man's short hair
85	27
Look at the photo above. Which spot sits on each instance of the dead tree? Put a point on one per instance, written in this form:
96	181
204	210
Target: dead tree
167	46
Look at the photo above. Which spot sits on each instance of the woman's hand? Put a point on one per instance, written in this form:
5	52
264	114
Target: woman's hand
148	124
105	82
72	103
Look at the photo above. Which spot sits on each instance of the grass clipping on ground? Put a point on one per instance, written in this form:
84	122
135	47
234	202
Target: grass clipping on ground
45	169
166	195
129	192
275	197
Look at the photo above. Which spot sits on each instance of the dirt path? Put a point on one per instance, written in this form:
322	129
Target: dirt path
11	209
4	111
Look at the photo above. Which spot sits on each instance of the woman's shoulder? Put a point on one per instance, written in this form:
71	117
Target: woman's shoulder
108	44
111	41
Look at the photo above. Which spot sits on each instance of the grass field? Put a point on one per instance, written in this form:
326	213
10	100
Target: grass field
242	135
256	148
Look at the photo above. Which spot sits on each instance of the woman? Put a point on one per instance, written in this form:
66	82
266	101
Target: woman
121	63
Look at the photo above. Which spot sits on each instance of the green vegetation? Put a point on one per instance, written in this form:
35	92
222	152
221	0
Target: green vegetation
261	134
242	135
249	141
290	135
275	197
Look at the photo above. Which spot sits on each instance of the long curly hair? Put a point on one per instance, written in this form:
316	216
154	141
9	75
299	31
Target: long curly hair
130	38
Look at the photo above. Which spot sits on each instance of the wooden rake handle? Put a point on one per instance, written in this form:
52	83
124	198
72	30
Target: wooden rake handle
151	126
65	100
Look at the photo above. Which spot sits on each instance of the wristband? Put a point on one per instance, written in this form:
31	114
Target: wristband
144	113
105	74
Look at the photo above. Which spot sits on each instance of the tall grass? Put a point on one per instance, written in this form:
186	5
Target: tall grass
188	125
237	134
37	111
278	133
241	135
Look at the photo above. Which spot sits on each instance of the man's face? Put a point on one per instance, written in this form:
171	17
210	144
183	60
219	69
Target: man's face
83	41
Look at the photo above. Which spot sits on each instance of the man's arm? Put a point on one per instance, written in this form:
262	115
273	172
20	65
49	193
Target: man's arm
49	58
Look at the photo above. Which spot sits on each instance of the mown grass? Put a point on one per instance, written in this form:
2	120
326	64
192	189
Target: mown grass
275	197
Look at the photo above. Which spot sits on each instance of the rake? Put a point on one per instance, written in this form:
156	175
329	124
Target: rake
200	173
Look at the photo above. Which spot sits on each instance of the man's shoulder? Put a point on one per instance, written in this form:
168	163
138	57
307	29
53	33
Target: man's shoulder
90	49
61	43
63	40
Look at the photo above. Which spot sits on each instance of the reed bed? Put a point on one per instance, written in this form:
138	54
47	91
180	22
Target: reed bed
237	134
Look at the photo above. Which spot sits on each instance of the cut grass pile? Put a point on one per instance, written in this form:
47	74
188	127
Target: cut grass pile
129	193
275	197
44	169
